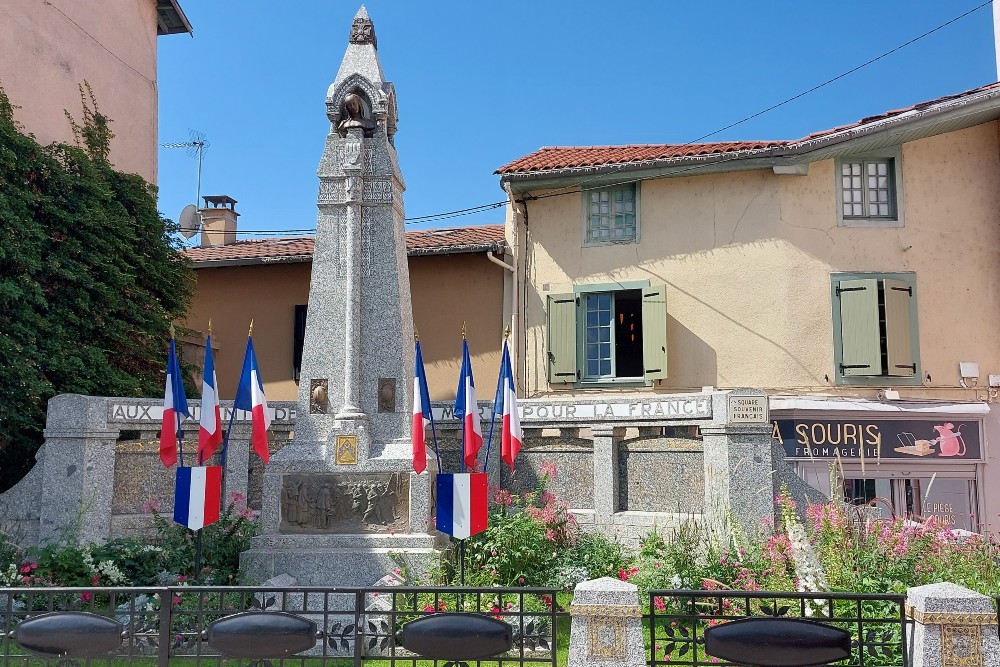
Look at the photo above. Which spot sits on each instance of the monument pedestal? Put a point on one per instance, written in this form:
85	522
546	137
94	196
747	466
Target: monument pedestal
340	502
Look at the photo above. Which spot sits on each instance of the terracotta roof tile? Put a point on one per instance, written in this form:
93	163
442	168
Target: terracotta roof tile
567	157
555	158
425	241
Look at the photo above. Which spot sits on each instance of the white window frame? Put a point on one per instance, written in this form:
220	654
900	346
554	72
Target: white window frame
895	157
586	214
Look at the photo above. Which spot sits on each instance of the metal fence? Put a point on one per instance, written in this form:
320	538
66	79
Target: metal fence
721	628
234	626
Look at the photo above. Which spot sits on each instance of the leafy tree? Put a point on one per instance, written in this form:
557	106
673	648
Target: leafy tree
90	279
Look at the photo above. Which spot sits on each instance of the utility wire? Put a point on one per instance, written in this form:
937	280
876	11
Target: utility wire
577	187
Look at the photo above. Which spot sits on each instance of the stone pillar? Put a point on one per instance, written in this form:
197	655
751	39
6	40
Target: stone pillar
953	627
738	470
79	470
606	625
606	439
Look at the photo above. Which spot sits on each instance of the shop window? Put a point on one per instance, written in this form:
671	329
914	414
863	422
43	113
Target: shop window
603	335
298	340
868	189
875	328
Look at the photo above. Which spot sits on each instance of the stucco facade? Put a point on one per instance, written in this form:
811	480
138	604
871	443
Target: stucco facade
751	251
49	49
448	289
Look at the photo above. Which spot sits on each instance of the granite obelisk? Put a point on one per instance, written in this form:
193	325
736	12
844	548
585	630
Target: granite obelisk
342	495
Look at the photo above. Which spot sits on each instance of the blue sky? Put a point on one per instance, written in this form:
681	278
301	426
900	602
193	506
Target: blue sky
480	84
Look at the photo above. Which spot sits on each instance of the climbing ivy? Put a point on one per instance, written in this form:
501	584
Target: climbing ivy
90	279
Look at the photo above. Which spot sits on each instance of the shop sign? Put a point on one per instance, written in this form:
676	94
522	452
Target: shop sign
906	439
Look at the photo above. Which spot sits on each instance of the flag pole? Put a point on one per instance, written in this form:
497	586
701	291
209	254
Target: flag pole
461	425
229	429
493	415
430	408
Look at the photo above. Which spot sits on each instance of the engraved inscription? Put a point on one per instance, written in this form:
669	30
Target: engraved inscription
387	394
345	503
367	249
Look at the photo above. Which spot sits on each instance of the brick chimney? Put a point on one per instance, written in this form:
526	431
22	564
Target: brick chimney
218	221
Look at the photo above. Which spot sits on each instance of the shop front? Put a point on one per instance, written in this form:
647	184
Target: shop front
917	463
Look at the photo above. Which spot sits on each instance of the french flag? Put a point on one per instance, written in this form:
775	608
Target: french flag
210	429
421	414
174	407
250	397
467	410
461	504
196	496
510	439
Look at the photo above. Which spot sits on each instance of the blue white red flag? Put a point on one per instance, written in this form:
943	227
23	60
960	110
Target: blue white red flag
210	428
421	414
196	496
250	397
510	438
174	407
461	504
467	410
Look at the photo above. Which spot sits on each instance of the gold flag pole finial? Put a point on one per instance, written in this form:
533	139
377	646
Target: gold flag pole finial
463	329
251	327
210	326
173	332
416	335
506	332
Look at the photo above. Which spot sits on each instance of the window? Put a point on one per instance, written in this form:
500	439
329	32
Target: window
868	190
875	328
298	340
602	335
611	214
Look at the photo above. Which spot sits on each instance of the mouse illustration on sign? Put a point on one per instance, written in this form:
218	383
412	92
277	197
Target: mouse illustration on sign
950	441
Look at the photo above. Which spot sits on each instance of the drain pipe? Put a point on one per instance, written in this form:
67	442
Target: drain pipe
510	295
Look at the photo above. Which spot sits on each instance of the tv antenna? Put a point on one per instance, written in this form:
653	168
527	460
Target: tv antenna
196	147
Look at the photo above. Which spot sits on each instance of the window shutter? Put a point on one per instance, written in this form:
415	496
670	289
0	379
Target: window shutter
561	355
859	327
898	339
654	332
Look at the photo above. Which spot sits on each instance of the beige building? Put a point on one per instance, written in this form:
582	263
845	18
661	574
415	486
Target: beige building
49	49
456	276
852	274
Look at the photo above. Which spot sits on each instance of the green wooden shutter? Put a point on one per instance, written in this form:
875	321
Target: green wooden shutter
861	352
898	338
654	332
561	355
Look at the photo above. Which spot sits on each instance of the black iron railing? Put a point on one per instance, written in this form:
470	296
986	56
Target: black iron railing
720	628
235	626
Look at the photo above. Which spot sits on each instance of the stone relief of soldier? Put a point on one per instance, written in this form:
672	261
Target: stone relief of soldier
324	506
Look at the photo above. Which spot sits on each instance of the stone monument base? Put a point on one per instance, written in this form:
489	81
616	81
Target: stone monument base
358	560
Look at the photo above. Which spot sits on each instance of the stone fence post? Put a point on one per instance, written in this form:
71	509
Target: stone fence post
79	470
953	627
606	625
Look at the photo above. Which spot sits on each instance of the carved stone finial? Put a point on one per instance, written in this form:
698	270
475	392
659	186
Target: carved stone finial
362	29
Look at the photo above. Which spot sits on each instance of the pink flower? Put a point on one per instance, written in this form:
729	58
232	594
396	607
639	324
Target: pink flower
151	505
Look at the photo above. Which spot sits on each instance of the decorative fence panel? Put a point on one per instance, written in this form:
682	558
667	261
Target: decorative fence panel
714	628
234	626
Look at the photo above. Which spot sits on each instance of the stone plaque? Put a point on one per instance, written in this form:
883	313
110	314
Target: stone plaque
747	406
961	646
347	450
372	503
319	402
387	394
606	638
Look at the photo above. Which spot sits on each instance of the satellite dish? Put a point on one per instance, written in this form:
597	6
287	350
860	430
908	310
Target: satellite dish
189	221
